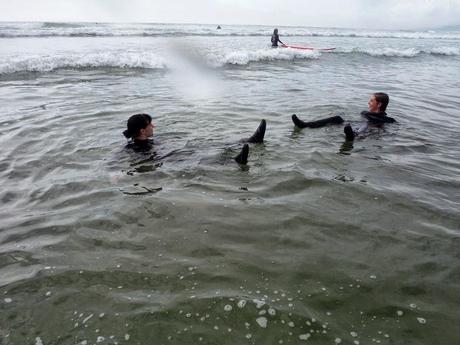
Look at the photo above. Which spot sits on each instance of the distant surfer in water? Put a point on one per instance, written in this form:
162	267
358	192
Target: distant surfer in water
375	116
275	38
140	131
218	27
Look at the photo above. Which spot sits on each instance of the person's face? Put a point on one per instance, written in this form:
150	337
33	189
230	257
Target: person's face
373	105
148	130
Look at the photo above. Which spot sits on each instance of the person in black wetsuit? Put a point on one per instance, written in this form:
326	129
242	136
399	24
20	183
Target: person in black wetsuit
140	131
275	38
375	116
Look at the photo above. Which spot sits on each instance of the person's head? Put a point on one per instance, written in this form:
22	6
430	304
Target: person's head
140	126
378	102
275	31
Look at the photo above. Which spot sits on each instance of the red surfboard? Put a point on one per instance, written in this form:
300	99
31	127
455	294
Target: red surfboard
306	48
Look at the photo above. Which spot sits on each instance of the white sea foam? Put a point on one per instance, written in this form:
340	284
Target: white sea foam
384	52
241	304
403	53
450	51
137	59
146	59
46	63
262	321
11	30
244	57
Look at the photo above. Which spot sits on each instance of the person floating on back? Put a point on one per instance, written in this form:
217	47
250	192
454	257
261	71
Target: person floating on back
140	131
376	115
275	38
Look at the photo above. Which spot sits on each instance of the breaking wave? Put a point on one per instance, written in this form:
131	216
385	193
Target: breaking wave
140	60
14	30
154	60
47	63
403	53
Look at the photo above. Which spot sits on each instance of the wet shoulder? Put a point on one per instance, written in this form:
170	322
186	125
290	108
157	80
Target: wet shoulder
140	145
377	118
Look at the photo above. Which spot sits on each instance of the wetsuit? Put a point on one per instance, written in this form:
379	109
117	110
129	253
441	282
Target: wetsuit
374	119
275	40
140	145
377	118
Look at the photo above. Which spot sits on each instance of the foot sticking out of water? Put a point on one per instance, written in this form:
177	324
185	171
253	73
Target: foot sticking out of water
349	134
258	136
242	157
336	120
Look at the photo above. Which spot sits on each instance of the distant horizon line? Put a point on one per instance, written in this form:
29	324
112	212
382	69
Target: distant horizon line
221	24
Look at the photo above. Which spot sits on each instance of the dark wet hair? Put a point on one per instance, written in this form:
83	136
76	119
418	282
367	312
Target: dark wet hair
383	99
136	123
275	31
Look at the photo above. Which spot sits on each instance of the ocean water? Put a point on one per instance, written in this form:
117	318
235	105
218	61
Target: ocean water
314	241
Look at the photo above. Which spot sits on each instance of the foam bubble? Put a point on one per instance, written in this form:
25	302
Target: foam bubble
259	304
304	336
262	321
87	318
421	320
241	304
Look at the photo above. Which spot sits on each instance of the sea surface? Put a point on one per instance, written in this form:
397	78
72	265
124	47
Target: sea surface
314	241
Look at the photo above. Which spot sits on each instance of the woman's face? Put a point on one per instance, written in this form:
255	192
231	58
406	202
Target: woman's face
373	105
148	130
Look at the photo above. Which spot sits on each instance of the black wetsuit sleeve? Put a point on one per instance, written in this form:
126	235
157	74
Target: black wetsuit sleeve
377	118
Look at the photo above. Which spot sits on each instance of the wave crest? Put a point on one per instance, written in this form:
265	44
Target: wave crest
37	63
49	29
244	57
403	53
152	60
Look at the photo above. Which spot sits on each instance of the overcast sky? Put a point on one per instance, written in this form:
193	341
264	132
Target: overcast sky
384	14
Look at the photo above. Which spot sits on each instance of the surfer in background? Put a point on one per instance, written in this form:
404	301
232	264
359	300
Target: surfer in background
275	38
218	27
